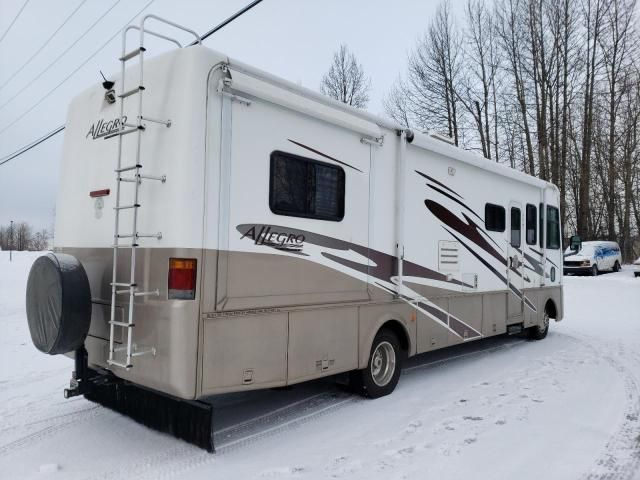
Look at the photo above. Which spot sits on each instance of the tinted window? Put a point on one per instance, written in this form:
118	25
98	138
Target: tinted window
300	187
494	217
515	227
531	225
553	227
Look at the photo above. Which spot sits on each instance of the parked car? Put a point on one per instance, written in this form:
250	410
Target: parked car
592	258
636	265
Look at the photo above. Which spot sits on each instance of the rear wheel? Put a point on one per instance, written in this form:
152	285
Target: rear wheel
594	270
540	331
616	266
382	373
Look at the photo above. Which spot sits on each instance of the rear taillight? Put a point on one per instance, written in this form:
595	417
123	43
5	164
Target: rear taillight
182	278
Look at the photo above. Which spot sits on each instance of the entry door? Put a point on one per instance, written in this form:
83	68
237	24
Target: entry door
515	263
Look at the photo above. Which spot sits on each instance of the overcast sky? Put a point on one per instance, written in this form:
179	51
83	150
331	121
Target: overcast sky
294	39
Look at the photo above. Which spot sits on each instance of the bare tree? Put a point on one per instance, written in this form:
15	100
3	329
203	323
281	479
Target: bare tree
428	97
345	81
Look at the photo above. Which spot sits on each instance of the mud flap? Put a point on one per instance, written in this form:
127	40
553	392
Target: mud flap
191	421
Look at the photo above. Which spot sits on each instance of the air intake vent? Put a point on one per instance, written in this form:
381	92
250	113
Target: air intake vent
448	256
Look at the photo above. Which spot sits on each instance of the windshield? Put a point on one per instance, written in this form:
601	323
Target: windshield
586	251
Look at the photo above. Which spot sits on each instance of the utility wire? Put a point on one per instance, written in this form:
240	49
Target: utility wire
74	71
60	56
57	130
28	147
227	21
46	42
14	20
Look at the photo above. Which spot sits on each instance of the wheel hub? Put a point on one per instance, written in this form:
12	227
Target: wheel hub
383	364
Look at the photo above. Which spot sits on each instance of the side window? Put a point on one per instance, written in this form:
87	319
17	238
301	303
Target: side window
531	225
494	218
301	187
515	227
541	223
553	228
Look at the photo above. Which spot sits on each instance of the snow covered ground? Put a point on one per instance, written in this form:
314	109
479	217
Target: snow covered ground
567	407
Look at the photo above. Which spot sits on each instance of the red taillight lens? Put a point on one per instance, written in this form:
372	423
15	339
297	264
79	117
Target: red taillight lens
182	278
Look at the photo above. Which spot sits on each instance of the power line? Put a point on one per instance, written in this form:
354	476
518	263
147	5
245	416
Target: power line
14	20
60	56
227	21
57	130
28	147
46	42
74	71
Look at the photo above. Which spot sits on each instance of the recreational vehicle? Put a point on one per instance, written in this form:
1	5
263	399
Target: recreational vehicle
219	229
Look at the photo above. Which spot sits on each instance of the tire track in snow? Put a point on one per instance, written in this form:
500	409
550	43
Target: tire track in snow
185	457
620	459
55	425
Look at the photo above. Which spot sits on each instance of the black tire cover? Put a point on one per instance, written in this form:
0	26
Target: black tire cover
58	303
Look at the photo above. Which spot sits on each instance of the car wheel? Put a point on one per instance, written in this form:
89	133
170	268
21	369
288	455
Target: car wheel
616	267
539	332
382	373
594	270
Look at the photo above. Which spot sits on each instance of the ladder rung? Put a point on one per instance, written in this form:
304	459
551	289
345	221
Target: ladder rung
167	123
126	235
122	324
118	364
133	245
149	235
147	294
161	178
130	167
128	93
125	207
123	132
120	292
120	284
133	53
144	351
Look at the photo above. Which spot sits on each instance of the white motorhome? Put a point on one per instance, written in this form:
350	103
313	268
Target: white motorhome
241	232
592	258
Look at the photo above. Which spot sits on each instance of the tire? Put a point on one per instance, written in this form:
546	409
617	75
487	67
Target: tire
636	274
594	270
616	266
540	331
58	303
382	373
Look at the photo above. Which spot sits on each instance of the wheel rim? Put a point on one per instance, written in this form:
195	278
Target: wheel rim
545	322
383	364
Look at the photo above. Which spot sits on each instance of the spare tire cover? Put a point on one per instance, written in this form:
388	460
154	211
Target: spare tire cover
58	303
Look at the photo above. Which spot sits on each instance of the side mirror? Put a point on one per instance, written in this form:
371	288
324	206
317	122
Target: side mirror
575	243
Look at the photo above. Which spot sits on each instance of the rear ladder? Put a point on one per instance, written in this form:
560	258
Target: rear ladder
128	349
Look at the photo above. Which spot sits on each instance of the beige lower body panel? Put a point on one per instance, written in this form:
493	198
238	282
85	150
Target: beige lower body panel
203	347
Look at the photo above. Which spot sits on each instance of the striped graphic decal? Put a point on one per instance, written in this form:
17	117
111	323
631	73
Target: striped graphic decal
470	231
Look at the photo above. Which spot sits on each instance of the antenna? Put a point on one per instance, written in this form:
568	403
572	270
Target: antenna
107	84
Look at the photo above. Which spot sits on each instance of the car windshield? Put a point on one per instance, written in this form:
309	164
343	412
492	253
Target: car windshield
586	251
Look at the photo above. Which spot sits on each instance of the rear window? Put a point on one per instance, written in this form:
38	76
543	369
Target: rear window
494	217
